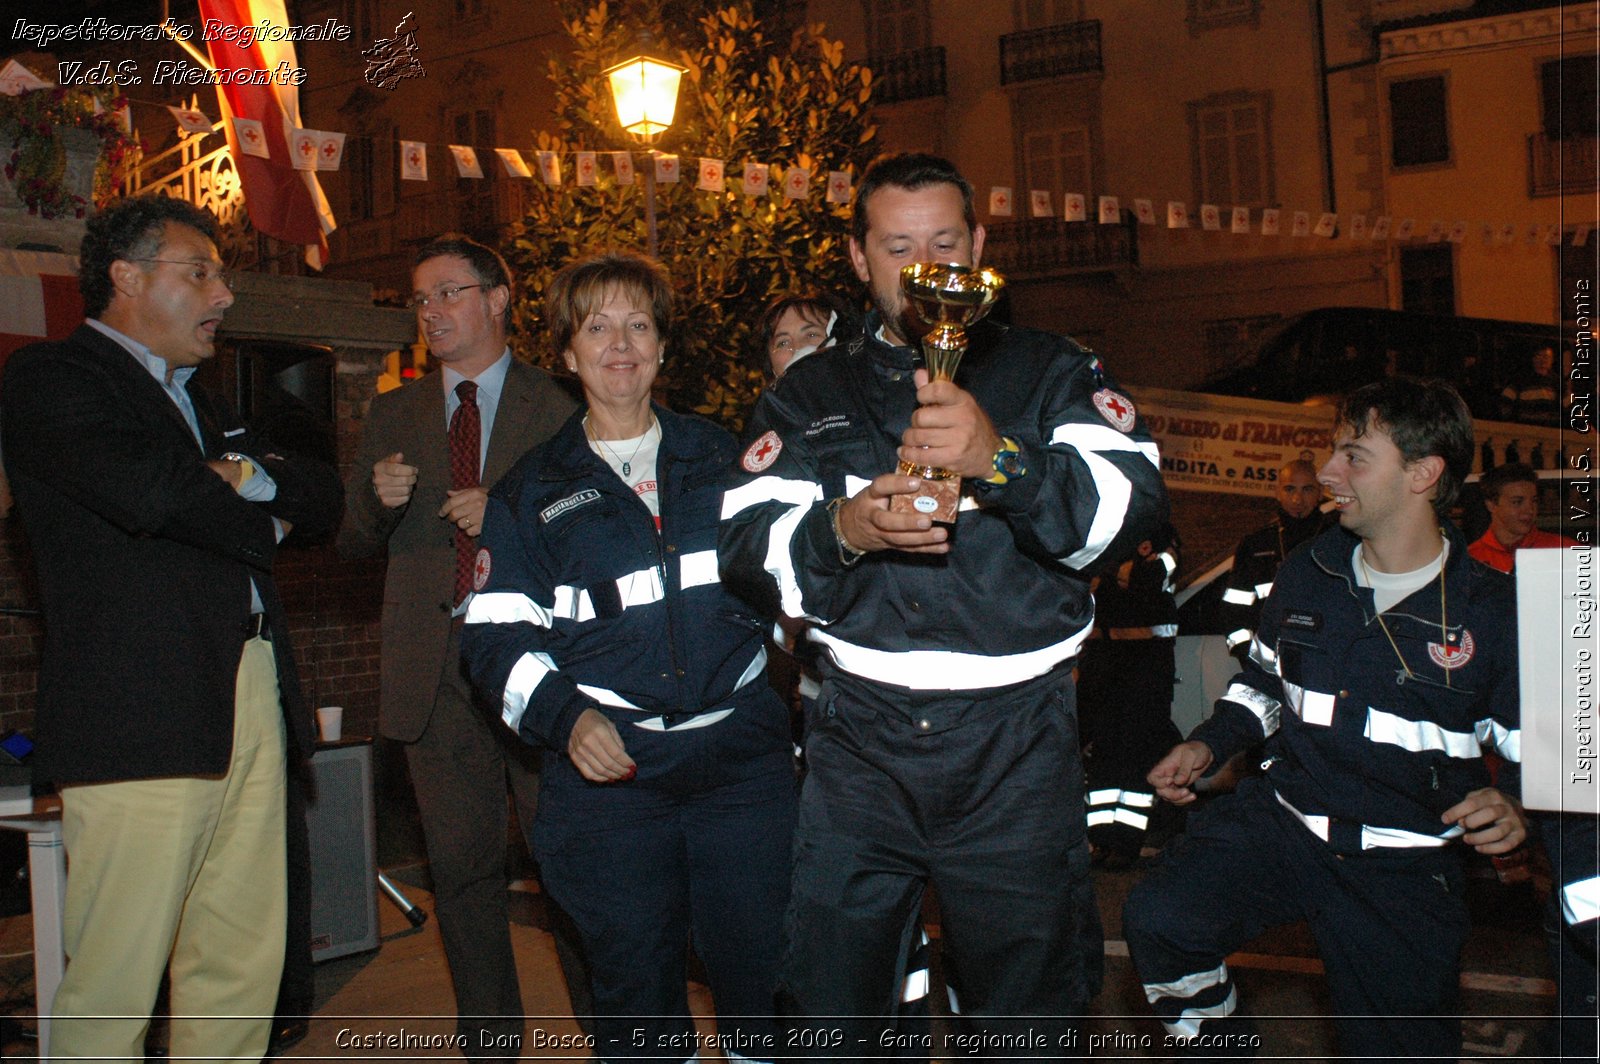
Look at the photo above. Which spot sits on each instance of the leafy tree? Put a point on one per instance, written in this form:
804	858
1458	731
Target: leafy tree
786	100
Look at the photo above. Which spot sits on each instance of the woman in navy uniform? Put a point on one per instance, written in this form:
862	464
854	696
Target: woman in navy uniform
600	624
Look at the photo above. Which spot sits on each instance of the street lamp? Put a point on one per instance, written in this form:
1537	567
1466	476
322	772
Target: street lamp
645	90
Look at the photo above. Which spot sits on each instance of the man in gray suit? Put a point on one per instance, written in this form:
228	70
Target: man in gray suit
428	454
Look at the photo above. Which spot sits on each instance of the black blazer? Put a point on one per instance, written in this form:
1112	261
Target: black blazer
144	559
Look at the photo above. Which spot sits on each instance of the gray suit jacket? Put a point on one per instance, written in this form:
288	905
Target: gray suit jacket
418	589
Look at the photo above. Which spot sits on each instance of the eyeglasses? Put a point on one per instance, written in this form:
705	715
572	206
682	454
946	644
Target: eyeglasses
448	295
204	272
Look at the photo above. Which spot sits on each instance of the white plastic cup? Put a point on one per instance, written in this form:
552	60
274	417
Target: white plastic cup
330	723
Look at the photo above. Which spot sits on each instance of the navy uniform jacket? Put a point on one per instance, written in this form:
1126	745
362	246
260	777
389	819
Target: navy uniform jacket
580	602
1011	601
145	558
1366	754
1255	566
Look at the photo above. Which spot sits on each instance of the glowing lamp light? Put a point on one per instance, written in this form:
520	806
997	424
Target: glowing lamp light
645	90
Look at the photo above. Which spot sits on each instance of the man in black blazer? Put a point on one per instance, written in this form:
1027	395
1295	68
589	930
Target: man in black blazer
405	502
168	705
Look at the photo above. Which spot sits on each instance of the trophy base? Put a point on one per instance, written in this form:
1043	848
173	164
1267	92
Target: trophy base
938	498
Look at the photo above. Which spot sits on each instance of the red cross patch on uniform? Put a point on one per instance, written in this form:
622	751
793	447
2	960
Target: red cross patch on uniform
1453	657
1115	408
762	453
480	569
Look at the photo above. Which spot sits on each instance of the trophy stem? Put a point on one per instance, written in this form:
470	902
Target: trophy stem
942	349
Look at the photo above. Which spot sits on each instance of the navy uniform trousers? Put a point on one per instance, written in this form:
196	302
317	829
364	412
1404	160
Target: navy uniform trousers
697	844
981	796
1389	925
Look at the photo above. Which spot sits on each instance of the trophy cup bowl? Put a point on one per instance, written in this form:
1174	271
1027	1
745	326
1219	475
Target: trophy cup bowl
948	297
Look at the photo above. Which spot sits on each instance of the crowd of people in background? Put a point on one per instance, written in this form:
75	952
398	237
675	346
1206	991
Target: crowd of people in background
583	603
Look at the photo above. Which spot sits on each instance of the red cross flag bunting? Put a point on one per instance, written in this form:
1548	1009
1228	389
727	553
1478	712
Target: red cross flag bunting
587	168
252	139
711	179
466	161
330	151
304	144
1000	201
1271	219
1177	215
1110	210
413	160
838	186
667	169
797	183
1076	211
515	165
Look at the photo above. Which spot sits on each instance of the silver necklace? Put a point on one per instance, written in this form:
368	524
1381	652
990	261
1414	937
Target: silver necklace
627	464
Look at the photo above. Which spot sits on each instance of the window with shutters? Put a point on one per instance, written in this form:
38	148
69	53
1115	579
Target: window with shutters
1058	160
1232	146
1419	121
896	26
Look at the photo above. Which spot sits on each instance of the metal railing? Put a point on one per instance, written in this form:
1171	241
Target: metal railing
1564	164
1041	247
1071	48
914	75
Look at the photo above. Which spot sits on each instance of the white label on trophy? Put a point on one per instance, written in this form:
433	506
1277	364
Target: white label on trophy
925	504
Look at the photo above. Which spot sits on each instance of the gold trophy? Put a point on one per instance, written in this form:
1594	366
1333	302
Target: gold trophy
948	297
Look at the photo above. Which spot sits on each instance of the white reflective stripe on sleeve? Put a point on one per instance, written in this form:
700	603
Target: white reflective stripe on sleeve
1188	986
700	720
697	569
947	670
1132	819
1100	816
915	987
1188	1023
607	697
526	675
1292	693
1580	901
1506	741
1418	735
1263	590
1238	596
854	485
778	563
752	670
1239	635
1114	489
506	607
1394	839
1138	799
1168	562
1104	796
1263	655
573	604
1164	631
640	587
1264	708
1317	825
1316	707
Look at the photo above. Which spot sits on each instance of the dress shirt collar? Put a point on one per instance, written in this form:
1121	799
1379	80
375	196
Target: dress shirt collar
154	363
491	380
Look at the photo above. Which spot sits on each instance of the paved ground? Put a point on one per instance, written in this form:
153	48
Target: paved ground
402	987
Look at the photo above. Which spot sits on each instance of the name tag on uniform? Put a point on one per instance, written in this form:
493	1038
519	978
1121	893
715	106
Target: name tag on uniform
571	502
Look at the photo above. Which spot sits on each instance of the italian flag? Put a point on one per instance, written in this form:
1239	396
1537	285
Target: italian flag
284	202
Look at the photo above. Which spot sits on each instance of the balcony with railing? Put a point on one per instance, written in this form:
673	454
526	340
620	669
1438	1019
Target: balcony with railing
914	75
1051	247
482	215
1051	51
1559	165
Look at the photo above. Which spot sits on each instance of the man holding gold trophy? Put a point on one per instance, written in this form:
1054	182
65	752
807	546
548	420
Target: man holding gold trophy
939	530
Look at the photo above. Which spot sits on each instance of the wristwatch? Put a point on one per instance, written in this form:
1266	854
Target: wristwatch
247	468
1007	463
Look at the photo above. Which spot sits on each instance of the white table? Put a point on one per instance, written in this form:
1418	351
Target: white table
40	818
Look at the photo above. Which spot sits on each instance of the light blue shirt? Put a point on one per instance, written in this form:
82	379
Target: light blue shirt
259	487
491	382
